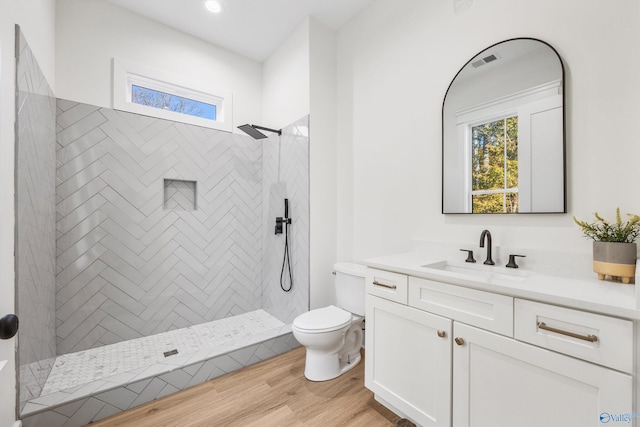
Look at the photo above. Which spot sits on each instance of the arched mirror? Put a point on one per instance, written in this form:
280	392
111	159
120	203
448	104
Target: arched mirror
503	138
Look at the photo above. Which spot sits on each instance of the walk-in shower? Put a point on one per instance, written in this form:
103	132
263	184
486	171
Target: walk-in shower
146	256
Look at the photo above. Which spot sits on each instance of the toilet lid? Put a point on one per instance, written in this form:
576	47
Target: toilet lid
324	319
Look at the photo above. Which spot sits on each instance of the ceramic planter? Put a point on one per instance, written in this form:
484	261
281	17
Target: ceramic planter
617	260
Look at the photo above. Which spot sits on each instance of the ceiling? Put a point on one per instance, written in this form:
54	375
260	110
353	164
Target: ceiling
251	28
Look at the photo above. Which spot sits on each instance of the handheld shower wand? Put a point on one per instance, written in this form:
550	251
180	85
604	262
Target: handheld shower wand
286	258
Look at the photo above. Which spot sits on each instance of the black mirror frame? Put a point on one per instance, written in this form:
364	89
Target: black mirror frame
564	129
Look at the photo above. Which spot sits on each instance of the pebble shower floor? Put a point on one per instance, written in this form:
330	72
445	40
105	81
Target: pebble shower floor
71	370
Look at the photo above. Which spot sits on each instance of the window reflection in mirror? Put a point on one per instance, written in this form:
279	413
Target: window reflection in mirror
503	132
494	166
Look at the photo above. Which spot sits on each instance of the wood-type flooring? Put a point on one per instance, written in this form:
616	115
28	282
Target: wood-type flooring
271	393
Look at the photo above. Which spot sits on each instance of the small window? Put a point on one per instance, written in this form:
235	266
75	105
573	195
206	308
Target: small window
166	101
143	90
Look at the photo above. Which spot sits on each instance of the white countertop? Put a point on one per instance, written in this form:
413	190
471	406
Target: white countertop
605	297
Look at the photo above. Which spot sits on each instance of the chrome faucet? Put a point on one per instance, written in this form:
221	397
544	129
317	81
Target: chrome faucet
486	234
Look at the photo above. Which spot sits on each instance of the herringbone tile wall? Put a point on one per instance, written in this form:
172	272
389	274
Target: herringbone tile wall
127	267
286	175
35	222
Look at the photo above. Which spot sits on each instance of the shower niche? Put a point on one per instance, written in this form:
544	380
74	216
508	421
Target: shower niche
180	195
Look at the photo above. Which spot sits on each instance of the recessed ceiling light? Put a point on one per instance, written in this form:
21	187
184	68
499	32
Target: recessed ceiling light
213	6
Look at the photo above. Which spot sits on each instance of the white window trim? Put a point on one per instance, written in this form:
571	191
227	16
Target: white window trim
126	73
505	104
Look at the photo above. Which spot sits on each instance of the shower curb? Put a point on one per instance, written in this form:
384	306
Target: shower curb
102	399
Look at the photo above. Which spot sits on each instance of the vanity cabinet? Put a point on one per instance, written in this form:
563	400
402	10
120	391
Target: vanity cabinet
499	381
456	356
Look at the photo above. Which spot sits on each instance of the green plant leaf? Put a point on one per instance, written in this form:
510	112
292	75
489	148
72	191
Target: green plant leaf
602	230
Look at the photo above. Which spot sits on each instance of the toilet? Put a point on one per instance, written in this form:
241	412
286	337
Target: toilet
333	335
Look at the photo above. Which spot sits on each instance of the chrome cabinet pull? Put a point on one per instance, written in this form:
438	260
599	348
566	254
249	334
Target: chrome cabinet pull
441	333
590	338
384	285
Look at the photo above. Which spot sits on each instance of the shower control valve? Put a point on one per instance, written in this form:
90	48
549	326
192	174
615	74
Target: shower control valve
279	222
283	220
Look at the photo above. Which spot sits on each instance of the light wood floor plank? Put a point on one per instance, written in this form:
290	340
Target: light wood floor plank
271	393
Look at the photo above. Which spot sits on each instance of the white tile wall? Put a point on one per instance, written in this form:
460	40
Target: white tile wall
128	267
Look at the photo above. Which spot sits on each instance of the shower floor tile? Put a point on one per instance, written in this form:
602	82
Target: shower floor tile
128	358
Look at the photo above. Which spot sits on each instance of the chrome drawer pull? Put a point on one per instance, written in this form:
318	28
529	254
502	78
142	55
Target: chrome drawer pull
384	285
590	338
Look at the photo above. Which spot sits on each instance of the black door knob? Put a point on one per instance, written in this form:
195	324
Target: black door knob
8	326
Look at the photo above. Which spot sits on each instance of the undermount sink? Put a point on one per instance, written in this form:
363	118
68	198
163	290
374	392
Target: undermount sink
480	271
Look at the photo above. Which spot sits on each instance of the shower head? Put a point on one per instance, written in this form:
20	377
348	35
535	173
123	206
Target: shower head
252	131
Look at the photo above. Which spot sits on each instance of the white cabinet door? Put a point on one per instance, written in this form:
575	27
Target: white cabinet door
498	381
408	360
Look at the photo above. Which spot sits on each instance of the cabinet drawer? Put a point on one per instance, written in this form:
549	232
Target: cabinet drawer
482	309
604	340
384	284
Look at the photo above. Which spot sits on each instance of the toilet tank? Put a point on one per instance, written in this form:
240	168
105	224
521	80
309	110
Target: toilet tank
350	288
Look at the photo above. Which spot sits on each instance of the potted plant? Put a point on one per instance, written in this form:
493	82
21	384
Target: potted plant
614	248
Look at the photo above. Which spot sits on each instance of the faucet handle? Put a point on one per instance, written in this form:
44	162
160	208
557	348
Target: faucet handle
512	260
469	255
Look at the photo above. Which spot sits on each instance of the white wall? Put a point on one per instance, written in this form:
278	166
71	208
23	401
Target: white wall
36	18
89	33
322	168
396	60
285	81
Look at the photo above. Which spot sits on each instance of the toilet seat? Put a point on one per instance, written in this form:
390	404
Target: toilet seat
322	320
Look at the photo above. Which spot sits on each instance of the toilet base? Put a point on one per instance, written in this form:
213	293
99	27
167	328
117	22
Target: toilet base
323	367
